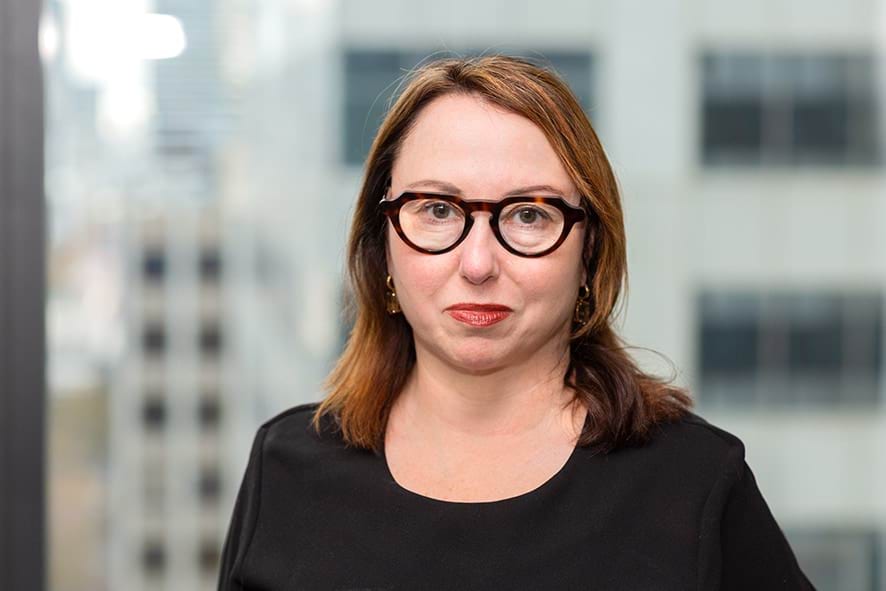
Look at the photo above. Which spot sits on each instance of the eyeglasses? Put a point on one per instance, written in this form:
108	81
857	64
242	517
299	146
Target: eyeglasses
527	226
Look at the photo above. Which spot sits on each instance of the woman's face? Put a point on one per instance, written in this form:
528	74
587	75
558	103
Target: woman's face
464	146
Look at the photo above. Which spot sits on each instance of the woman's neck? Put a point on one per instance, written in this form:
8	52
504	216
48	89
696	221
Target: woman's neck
512	403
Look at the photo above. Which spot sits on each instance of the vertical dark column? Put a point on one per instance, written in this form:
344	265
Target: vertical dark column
22	294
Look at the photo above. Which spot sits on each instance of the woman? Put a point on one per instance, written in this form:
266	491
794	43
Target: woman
485	427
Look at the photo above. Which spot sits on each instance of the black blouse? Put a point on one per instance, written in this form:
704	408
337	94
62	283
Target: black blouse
682	512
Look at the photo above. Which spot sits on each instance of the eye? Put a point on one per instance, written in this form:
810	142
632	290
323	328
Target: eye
527	216
439	209
530	215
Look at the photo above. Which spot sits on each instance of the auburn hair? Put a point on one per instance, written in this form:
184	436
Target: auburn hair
623	402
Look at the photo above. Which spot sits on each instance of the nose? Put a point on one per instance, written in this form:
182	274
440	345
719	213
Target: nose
480	251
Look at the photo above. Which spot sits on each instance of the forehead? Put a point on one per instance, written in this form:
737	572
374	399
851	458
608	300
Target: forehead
477	146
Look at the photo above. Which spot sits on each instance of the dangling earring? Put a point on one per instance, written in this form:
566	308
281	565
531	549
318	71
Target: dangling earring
391	304
582	313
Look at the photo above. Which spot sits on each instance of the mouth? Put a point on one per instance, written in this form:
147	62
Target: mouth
479	315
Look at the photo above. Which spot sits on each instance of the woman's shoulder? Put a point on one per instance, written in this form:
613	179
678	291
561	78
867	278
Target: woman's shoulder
688	449
692	431
292	430
295	417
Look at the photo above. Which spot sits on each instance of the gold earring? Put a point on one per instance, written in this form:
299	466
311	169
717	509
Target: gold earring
391	304
582	313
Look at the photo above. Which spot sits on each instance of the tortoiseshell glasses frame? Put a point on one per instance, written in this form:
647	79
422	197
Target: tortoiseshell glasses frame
571	216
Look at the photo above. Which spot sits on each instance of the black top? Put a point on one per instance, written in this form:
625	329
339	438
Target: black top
682	512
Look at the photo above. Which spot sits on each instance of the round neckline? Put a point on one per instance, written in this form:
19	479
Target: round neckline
557	476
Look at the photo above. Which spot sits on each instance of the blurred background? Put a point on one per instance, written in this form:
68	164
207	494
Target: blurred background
202	158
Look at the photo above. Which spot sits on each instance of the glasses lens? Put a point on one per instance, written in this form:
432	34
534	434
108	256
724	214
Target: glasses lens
531	227
432	224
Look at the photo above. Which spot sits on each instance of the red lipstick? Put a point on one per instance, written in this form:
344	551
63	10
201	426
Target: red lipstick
479	315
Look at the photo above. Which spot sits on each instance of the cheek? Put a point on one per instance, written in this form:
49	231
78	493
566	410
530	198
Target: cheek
557	276
554	289
416	275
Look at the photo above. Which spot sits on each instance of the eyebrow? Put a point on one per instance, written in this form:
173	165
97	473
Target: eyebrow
450	188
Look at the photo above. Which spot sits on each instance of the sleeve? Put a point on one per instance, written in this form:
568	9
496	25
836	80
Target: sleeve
742	546
243	519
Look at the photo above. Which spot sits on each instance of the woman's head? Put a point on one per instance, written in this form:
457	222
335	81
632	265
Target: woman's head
534	94
479	129
483	300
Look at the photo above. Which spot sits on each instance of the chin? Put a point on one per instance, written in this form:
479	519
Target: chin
478	359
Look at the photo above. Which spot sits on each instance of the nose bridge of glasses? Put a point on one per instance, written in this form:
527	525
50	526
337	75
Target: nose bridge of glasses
472	208
475	216
495	208
474	211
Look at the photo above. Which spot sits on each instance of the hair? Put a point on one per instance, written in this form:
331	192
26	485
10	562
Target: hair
623	402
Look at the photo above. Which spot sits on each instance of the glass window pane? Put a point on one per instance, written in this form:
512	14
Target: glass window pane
789	108
790	348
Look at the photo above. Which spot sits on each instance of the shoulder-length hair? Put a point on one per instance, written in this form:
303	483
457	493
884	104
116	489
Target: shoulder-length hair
623	402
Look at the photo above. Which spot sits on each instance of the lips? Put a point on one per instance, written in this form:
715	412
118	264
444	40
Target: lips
479	315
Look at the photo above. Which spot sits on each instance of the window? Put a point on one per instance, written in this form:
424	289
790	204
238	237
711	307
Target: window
154	339
154	265
210	265
789	109
783	348
154	557
209	412
154	412
210	339
208	556
839	558
372	77
209	485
